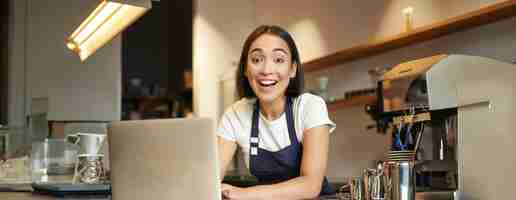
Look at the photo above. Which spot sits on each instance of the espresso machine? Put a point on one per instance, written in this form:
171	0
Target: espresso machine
467	104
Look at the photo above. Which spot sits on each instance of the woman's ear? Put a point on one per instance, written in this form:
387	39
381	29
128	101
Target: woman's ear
245	74
293	70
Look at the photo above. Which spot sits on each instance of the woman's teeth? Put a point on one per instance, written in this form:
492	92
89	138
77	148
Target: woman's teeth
267	83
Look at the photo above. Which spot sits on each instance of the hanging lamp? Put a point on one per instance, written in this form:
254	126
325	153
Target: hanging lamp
109	19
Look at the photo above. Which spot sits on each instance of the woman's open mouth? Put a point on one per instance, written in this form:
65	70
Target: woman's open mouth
267	83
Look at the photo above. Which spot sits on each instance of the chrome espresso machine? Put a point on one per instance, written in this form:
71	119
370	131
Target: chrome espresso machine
459	110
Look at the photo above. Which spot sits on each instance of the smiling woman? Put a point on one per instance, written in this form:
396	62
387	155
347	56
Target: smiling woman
283	132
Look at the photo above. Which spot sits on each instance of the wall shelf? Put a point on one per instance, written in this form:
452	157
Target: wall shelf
482	16
353	101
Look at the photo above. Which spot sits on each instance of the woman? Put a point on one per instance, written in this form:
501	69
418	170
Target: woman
284	134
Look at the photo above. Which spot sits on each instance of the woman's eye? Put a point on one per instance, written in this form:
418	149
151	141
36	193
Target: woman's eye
279	60
256	60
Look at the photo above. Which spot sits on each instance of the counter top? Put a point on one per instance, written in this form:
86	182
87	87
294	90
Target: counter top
33	196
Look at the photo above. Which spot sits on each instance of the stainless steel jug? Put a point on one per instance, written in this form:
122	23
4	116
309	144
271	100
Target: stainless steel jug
357	188
375	182
400	180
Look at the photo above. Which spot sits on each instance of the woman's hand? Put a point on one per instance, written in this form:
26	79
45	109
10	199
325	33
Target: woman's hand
230	192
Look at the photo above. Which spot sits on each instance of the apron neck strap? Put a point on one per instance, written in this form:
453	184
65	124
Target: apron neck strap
289	116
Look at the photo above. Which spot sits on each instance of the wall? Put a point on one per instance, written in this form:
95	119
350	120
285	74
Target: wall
332	25
220	28
16	62
328	26
76	91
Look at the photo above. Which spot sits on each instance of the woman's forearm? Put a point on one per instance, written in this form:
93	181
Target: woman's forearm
226	150
303	187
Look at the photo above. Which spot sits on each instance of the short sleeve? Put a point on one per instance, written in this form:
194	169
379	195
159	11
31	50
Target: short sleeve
226	128
315	113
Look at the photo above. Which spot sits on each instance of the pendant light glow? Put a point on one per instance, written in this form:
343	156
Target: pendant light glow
109	19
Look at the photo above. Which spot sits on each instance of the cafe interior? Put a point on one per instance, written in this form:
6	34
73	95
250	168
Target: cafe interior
422	93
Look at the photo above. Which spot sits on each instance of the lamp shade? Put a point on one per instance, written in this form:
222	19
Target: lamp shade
107	20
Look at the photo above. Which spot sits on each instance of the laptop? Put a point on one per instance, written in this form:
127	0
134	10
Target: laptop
164	159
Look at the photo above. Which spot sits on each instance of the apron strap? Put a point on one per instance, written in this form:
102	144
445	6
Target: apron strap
254	140
290	121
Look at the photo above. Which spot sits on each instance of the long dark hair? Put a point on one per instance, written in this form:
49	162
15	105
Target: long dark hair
296	84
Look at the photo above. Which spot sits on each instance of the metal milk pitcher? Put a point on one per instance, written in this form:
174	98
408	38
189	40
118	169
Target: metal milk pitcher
357	188
375	182
400	180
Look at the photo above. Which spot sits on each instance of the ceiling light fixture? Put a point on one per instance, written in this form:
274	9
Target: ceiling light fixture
109	19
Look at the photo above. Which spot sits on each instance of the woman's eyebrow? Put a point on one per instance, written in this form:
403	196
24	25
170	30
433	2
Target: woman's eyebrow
255	50
282	50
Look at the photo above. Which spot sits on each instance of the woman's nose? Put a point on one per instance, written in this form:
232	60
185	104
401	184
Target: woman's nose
268	67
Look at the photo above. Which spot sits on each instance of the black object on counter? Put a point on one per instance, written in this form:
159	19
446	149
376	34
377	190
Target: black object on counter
67	189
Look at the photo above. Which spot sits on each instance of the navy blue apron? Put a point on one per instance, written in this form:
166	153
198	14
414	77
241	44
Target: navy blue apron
274	167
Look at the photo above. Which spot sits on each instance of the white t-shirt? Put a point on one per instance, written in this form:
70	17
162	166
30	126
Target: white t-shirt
235	125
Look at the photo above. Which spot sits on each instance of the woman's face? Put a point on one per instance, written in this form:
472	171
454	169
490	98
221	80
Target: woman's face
269	67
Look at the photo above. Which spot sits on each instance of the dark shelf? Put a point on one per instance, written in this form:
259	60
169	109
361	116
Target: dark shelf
403	112
435	113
